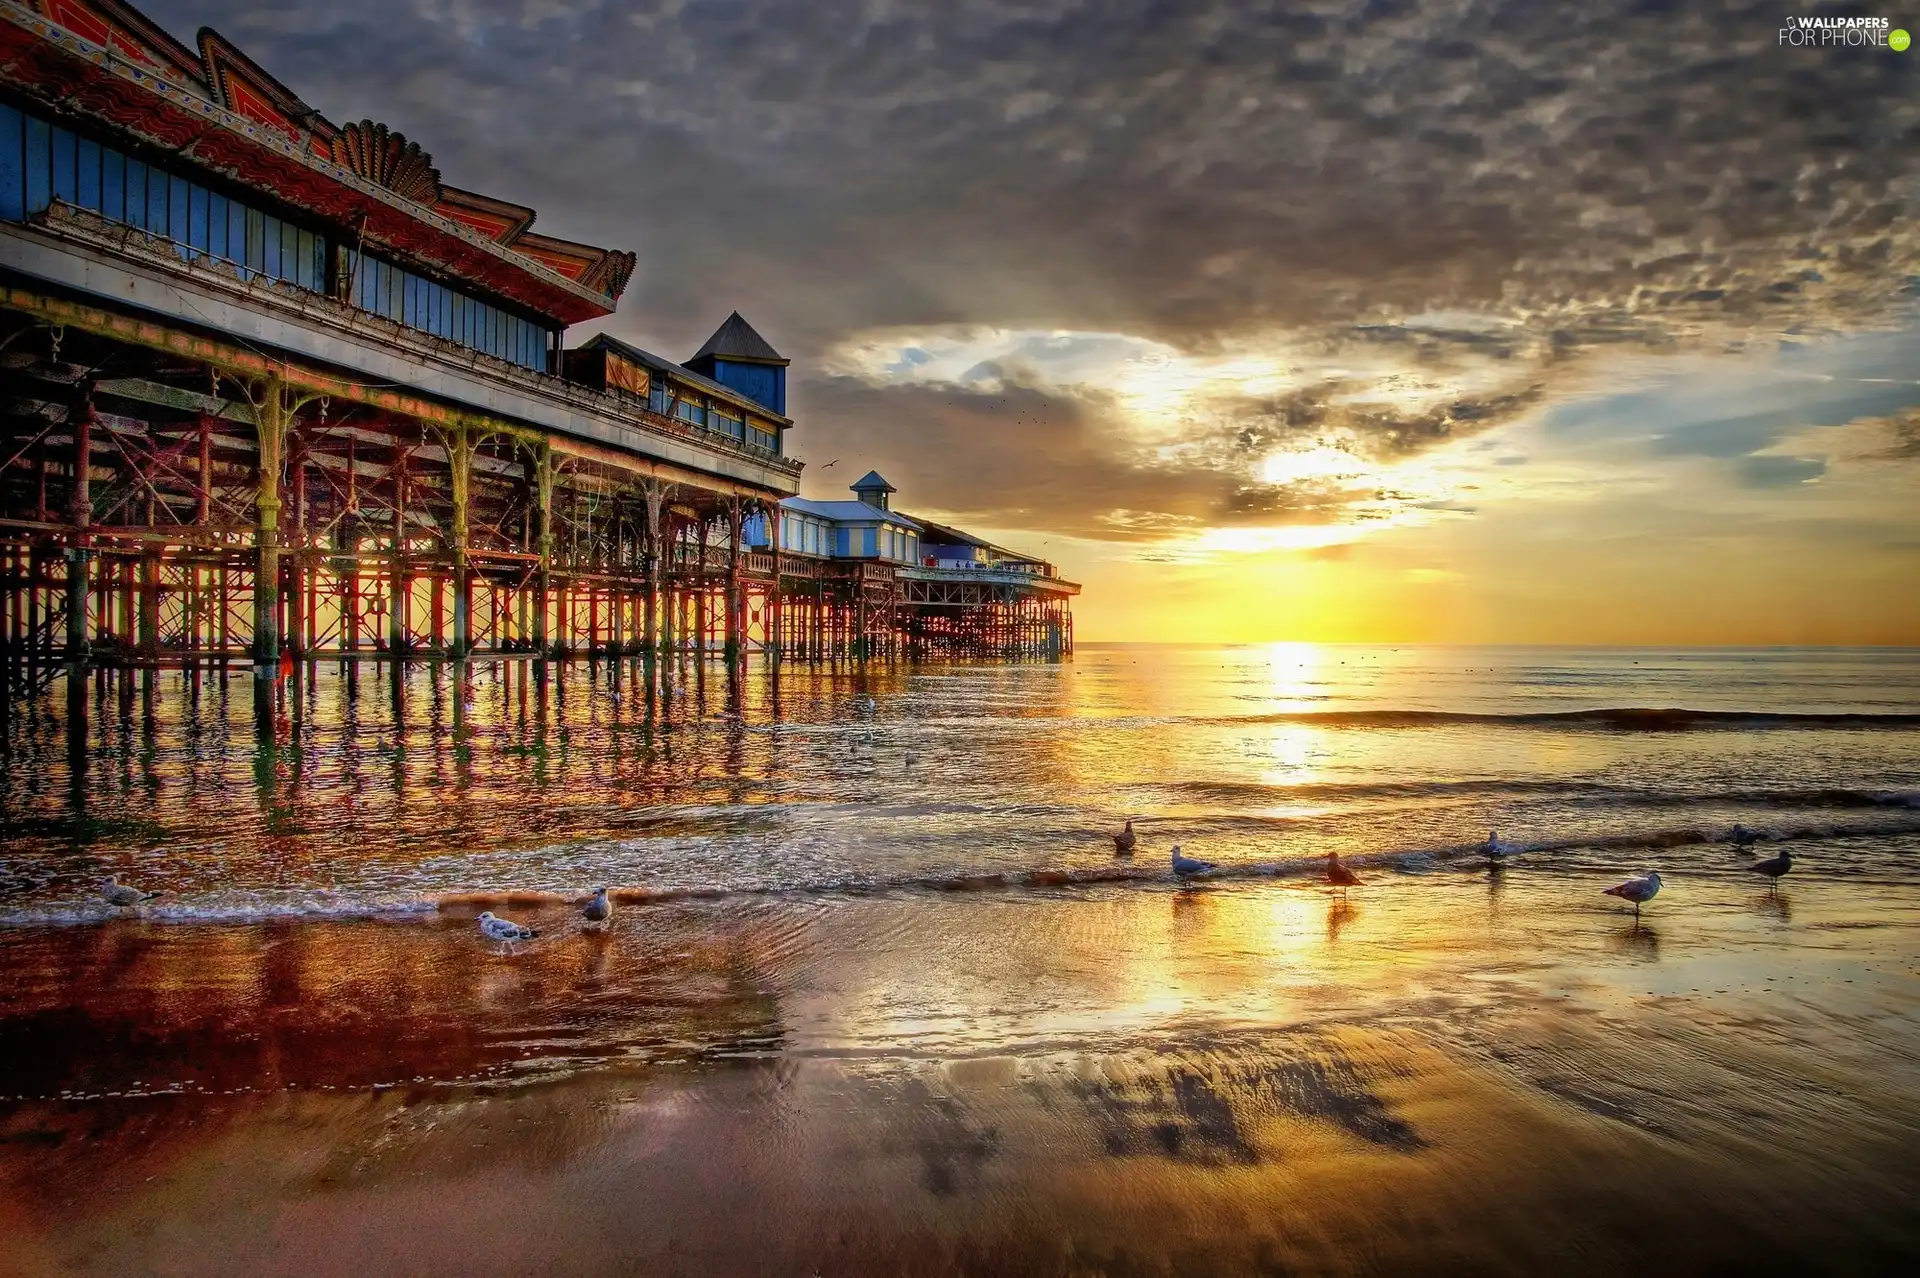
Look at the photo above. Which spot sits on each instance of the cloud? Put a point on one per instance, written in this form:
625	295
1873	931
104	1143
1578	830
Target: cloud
1779	472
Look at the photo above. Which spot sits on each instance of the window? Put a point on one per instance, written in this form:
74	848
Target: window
40	162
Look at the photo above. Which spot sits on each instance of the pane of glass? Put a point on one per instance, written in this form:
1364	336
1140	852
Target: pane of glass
39	166
366	277
270	247
237	232
156	201
198	233
178	192
290	257
136	192
218	214
256	239
13	177
88	194
393	304
113	184
65	185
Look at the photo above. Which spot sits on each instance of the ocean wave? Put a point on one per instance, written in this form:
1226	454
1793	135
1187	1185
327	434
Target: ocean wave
1572	788
467	904
1619	719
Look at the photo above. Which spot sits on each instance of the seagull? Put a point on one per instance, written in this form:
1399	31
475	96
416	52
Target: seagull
1774	867
505	931
1339	875
122	897
599	909
1123	841
1638	890
1743	838
1186	867
1495	847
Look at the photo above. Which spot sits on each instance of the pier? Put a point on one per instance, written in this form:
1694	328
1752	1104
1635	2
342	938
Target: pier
274	393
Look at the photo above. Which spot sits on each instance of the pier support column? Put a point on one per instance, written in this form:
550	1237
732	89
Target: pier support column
543	542
271	414
736	604
400	589
79	554
650	599
773	613
460	456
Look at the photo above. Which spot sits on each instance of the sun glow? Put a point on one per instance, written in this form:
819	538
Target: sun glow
1320	463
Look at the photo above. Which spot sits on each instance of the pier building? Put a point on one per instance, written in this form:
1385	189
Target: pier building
275	390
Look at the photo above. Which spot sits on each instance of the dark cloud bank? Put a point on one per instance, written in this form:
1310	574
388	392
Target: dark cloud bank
1605	176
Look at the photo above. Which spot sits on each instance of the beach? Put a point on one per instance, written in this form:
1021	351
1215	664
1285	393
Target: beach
855	1014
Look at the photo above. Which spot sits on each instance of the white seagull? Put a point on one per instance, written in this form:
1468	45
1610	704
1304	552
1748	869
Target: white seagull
1186	867
505	931
599	909
1496	847
1639	890
122	897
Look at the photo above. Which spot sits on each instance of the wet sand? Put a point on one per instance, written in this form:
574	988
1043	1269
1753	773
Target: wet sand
1445	1075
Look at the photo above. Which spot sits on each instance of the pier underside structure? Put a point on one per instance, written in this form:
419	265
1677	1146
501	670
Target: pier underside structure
151	494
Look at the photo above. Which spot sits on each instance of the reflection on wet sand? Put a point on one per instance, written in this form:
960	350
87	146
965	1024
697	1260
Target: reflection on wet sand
1340	912
1637	940
1233	1079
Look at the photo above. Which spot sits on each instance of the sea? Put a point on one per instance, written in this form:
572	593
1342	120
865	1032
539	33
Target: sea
383	795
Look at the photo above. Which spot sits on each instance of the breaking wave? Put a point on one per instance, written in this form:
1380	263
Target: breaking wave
1146	873
1620	719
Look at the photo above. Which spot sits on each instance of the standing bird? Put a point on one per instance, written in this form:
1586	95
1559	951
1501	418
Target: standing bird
122	897
599	909
1496	849
505	931
1742	838
1339	875
1123	841
1638	890
1774	867
1185	867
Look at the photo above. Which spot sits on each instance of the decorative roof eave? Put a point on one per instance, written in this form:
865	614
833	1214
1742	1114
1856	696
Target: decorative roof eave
71	76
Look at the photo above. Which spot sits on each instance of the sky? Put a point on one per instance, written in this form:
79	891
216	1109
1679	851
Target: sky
1488	321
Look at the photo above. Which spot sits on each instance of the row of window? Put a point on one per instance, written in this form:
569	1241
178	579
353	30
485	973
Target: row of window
418	302
720	420
42	162
805	536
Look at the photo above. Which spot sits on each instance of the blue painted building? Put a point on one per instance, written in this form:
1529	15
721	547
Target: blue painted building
744	362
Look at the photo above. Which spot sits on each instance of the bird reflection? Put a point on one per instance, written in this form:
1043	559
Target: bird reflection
1637	941
1772	905
1340	912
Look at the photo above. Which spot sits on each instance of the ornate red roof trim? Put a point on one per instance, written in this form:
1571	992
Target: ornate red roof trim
242	85
71	75
498	220
128	32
